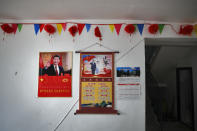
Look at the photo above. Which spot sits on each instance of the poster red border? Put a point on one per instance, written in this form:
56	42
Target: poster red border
55	86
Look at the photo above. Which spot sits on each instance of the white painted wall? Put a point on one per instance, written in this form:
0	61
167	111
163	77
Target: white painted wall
22	110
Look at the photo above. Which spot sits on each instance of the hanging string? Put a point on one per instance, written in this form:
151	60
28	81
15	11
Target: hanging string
66	115
145	23
105	47
94	45
132	47
4	35
87	47
51	40
131	38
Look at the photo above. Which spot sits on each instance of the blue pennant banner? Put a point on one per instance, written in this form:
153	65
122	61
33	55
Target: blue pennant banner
140	28
36	28
88	26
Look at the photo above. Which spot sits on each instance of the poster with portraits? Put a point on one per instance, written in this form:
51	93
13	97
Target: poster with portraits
96	65
96	83
55	74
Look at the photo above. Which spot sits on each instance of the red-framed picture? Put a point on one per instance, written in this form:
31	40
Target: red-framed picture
55	74
96	65
96	83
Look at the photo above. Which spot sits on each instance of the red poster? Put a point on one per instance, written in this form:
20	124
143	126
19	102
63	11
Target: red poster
55	74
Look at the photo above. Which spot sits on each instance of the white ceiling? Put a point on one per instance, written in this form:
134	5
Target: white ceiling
150	10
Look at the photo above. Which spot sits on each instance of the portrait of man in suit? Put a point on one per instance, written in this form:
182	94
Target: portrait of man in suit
93	66
54	69
55	74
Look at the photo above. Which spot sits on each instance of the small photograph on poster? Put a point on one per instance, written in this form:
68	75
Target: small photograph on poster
96	65
55	74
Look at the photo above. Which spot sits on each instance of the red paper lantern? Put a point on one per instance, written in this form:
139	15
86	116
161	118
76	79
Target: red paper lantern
186	30
49	29
73	30
130	29
7	28
97	33
153	28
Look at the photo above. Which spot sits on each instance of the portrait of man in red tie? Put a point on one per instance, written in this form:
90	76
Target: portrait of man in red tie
55	74
54	69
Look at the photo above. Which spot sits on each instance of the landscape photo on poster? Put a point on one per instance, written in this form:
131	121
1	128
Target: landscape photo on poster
97	65
128	71
55	74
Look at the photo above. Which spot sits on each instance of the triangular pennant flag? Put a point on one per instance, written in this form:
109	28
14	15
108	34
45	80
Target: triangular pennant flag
118	27
20	27
59	28
36	28
88	26
64	26
14	26
111	28
41	27
161	26
140	28
80	28
195	29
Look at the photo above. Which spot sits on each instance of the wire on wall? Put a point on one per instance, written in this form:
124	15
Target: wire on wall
133	47
66	115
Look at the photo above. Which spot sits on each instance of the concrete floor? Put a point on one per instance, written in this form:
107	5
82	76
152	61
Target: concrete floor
174	126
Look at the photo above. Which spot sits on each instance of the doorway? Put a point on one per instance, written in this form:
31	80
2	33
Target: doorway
185	96
169	84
